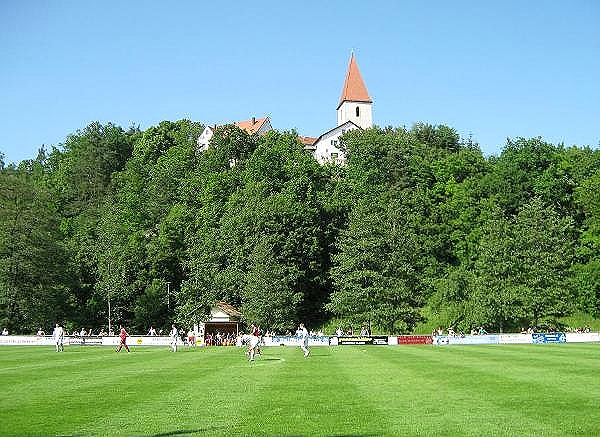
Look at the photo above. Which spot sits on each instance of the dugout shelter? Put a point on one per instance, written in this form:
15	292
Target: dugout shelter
224	318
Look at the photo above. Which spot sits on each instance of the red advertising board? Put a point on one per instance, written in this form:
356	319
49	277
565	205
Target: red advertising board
414	339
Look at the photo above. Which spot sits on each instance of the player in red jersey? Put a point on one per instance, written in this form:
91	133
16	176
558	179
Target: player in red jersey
255	331
123	340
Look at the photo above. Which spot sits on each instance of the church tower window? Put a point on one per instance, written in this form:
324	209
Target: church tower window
357	111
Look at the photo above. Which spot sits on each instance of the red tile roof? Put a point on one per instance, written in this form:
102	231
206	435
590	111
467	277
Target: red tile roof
307	141
251	126
354	89
228	309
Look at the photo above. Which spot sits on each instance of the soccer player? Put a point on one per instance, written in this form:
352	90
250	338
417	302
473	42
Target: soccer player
123	340
58	334
255	330
303	334
252	342
174	334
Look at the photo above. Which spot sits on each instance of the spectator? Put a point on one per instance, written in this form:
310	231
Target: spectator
5	331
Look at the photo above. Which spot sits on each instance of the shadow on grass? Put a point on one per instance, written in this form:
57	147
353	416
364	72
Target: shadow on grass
204	430
184	432
353	434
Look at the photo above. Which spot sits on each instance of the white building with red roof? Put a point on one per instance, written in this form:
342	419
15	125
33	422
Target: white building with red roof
253	126
355	104
354	111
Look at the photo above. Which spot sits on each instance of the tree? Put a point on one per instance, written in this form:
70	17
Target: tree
146	221
33	279
522	269
377	272
518	174
258	237
587	268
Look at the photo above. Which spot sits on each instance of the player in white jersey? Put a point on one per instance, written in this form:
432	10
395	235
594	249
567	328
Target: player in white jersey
303	334
252	342
58	334
174	334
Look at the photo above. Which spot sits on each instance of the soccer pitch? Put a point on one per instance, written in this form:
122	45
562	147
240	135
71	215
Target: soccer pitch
487	390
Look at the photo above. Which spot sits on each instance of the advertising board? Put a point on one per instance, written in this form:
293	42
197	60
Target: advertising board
138	340
26	340
291	340
362	340
84	341
548	337
381	340
473	339
584	337
467	339
515	339
415	339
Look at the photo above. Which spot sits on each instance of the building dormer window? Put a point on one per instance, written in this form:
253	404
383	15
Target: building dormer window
357	111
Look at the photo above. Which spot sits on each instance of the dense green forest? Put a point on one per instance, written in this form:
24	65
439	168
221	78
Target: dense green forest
417	226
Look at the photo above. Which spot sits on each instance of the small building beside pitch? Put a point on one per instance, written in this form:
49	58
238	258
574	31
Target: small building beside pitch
224	318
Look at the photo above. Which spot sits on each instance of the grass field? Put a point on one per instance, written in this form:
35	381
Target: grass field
491	390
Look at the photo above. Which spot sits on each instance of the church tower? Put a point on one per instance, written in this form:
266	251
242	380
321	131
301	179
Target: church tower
355	104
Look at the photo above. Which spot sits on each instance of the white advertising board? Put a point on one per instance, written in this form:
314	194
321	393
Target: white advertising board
290	340
139	340
516	339
584	337
26	340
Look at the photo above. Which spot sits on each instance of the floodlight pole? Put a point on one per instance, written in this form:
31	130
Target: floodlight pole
109	314
109	326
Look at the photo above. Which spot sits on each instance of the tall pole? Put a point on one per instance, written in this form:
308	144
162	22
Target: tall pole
109	327
168	295
109	319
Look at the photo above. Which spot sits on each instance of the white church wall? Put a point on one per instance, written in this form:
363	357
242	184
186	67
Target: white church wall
204	139
326	147
347	112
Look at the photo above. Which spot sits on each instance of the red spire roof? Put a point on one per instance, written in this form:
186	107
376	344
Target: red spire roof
354	89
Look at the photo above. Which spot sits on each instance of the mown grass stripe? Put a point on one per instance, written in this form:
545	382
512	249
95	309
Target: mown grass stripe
518	399
513	390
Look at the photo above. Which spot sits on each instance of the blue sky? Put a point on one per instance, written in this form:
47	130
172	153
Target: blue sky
491	70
